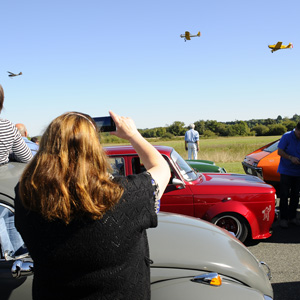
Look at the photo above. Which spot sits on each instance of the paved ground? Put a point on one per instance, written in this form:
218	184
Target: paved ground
282	254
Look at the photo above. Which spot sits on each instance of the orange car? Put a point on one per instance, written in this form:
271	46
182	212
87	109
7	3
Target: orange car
263	163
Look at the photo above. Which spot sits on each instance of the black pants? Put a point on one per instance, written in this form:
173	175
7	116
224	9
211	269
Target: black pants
289	187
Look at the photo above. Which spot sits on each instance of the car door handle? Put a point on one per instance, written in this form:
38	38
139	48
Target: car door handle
226	199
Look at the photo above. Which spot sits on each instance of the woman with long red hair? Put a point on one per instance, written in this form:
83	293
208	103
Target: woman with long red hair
84	229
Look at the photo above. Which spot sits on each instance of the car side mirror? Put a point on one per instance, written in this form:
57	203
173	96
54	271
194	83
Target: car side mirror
179	182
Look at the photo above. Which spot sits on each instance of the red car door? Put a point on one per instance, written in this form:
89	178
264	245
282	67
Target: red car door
178	199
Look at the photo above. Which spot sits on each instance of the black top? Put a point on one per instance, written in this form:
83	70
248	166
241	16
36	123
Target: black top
87	259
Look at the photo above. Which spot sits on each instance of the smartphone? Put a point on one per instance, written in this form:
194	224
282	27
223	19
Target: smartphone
105	124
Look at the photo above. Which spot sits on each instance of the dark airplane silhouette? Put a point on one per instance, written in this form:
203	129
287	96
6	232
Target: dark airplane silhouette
13	74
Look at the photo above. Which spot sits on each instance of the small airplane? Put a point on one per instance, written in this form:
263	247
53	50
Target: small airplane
187	35
13	74
279	46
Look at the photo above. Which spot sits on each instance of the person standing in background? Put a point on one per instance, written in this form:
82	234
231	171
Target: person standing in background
35	140
289	170
11	141
32	146
191	141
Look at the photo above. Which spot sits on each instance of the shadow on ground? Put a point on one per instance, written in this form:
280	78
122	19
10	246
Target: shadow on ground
289	235
281	290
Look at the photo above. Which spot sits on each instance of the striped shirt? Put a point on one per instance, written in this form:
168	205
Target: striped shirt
12	142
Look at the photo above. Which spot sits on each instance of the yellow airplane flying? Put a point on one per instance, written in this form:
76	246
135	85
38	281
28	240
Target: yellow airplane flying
279	46
187	35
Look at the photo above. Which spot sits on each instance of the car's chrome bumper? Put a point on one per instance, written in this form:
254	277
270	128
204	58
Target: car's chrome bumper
251	170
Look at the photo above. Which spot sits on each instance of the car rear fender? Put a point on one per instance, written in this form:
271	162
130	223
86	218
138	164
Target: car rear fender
233	207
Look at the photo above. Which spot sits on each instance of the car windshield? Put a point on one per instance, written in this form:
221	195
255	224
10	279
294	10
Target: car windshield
185	170
272	147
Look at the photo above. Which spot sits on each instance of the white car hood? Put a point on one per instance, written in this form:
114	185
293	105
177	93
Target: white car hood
189	243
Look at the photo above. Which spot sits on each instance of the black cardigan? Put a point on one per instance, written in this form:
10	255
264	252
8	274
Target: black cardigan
103	259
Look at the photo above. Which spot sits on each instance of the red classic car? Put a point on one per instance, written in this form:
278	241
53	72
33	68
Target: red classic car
242	204
263	163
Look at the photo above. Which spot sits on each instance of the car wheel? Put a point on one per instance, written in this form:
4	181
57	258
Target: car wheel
233	223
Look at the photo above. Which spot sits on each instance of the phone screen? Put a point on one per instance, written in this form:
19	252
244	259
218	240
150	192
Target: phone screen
105	124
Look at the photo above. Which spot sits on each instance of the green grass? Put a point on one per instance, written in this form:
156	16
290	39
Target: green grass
226	152
232	167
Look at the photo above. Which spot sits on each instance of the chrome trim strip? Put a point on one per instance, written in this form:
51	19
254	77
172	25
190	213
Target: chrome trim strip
268	268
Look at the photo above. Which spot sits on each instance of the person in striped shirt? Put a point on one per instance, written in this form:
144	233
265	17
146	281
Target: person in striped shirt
11	142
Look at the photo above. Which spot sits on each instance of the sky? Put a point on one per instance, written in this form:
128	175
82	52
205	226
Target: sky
127	56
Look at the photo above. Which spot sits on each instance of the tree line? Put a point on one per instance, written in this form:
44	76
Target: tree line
212	128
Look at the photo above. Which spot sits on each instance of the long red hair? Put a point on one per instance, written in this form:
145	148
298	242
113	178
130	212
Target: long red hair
69	177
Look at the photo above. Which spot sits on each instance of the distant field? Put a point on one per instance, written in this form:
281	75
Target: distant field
227	152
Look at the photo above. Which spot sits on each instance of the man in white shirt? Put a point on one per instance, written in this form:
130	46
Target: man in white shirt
191	140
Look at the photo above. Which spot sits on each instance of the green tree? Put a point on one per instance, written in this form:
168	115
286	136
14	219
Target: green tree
296	118
200	126
167	136
212	126
269	121
231	131
160	131
277	129
177	128
260	130
208	133
147	133
289	124
241	128
223	129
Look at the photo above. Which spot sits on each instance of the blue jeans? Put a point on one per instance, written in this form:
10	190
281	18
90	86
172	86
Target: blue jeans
10	238
289	188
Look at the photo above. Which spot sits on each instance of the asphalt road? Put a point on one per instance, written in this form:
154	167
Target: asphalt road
281	252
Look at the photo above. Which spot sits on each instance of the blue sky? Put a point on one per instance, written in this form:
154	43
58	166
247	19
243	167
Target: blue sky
127	56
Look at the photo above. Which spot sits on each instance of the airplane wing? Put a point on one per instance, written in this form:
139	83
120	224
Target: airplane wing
277	46
187	35
11	73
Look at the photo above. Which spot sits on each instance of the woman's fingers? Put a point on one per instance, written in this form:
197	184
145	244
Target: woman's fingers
125	126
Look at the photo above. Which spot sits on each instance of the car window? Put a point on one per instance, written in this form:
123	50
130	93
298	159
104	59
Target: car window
185	170
118	166
11	241
272	147
137	166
